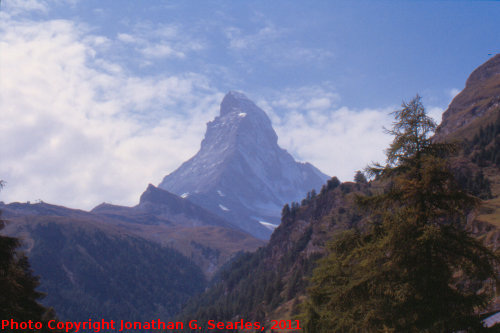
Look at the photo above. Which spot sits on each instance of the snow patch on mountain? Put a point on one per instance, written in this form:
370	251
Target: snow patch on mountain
268	225
240	165
224	208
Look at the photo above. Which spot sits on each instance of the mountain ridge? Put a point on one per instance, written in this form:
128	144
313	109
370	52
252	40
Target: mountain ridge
240	173
476	105
271	283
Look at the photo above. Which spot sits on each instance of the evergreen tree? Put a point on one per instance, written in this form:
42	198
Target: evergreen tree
18	295
415	269
285	212
360	178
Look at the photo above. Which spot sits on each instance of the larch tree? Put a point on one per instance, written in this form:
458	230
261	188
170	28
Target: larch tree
414	268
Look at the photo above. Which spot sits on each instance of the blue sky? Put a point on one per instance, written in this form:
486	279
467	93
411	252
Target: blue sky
100	98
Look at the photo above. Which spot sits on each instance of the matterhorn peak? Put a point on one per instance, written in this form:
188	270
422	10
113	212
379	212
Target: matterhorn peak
240	172
236	102
237	95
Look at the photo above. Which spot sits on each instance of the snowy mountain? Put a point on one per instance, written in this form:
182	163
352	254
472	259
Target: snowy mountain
240	173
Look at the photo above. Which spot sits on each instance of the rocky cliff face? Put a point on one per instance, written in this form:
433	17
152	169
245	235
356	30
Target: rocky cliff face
477	104
474	115
240	172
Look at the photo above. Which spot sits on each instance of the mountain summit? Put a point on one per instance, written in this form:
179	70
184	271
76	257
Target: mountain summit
475	106
240	173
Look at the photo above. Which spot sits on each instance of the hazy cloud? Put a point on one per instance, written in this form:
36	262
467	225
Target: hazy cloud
161	41
453	92
161	50
338	140
272	44
14	7
299	99
239	40
301	54
79	129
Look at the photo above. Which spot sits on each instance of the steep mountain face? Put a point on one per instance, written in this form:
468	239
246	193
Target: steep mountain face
240	173
473	119
476	105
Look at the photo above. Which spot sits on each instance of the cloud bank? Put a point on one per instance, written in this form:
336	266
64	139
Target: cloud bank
79	128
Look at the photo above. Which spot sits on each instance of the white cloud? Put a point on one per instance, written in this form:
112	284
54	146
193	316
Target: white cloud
161	41
299	99
337	140
301	54
14	7
21	7
272	44
435	113
239	40
128	38
161	50
453	92
78	129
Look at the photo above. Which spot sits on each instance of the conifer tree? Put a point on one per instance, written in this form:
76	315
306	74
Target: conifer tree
415	269
359	177
18	295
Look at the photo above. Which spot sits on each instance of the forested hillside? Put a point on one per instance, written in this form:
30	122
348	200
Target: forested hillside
415	268
131	263
92	272
111	277
270	283
248	166
273	283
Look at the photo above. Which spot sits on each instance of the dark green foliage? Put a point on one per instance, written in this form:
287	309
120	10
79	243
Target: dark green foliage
294	208
18	295
285	212
332	183
345	188
405	273
485	146
206	251
310	195
246	287
19	299
476	184
360	178
254	285
90	274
